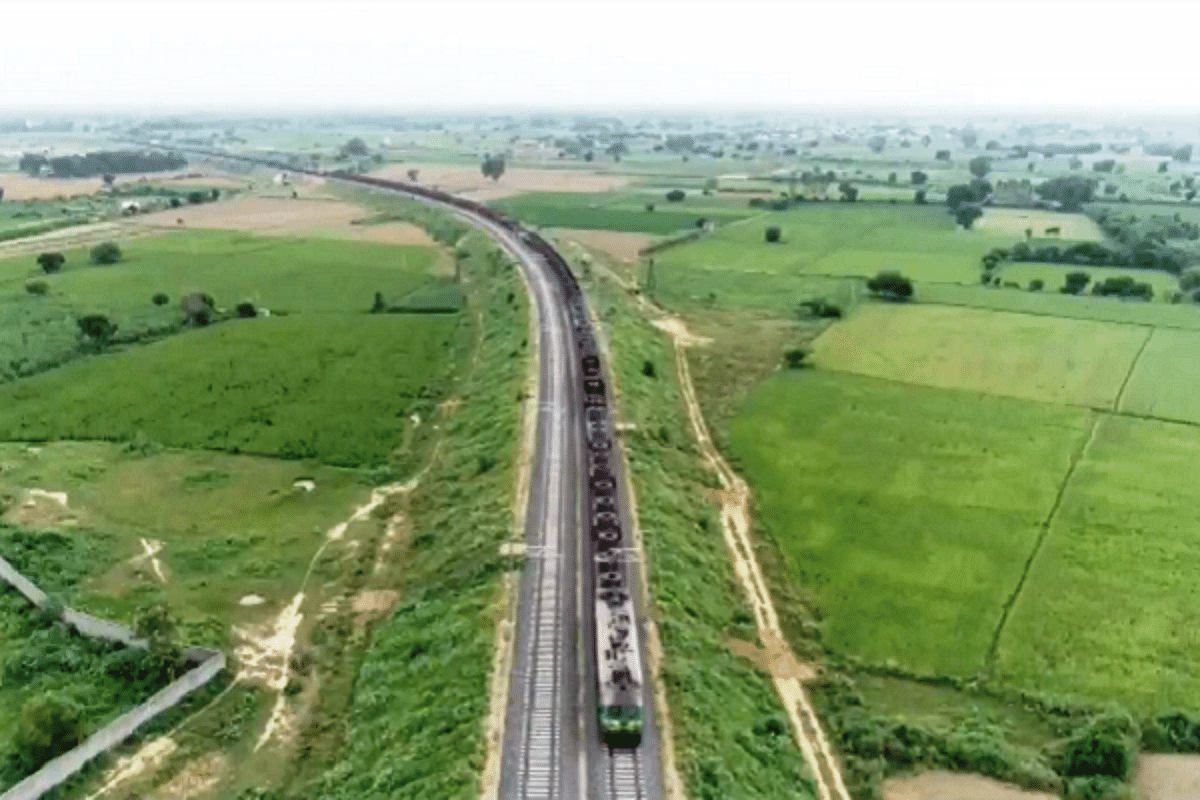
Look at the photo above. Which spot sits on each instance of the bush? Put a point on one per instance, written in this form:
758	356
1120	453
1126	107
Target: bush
648	369
246	310
37	288
1104	746
794	359
96	327
195	198
160	299
891	286
675	195
649	206
50	726
772	234
106	253
51	262
1036	285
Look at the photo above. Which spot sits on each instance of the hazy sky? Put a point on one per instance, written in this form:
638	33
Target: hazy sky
1082	56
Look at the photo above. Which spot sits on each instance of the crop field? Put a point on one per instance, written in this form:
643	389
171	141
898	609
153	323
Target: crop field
1111	609
908	512
288	274
1014	222
1054	304
1077	362
623	211
1164	383
822	239
333	388
1054	276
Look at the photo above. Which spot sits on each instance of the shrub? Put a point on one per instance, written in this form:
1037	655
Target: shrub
195	198
648	369
51	262
160	299
379	306
1104	746
891	286
50	725
106	253
649	206
794	359
675	195
96	327
1036	285
772	234
246	310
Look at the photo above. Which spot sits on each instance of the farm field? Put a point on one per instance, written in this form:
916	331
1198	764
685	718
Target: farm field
908	512
821	239
1164	383
339	389
470	182
1014	222
1054	276
1119	555
624	211
1076	362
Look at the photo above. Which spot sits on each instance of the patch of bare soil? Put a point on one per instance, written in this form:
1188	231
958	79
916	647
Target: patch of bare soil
42	509
77	236
618	244
470	182
19	186
941	785
1168	777
146	760
195	779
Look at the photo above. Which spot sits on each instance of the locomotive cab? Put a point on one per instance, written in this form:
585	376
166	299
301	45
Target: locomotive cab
620	726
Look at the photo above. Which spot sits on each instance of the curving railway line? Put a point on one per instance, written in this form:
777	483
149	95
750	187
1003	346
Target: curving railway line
579	722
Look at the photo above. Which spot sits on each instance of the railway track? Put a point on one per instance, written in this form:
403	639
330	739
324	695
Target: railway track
552	748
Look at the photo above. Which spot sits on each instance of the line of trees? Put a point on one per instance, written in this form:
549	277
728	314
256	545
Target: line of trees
102	162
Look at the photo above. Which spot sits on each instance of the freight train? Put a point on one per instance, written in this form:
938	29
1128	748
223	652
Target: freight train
618	667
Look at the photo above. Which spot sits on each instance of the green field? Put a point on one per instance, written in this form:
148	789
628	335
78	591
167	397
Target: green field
1111	609
907	512
281	275
1164	383
623	211
338	389
1054	276
822	239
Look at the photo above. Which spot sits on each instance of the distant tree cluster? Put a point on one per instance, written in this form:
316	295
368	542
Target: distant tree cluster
890	285
104	162
1068	193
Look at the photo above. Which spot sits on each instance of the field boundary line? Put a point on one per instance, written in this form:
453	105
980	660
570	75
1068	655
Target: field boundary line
1116	407
1076	456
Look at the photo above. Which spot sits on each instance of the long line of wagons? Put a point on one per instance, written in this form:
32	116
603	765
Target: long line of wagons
620	703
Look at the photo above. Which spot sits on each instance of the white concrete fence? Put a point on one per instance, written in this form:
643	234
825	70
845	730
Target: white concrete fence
209	664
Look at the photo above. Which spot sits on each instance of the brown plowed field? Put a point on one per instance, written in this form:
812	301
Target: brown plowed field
941	785
618	244
19	186
469	182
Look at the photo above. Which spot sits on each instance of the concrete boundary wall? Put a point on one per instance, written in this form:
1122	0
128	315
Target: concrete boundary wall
209	664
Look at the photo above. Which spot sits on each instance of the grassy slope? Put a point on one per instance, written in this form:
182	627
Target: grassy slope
894	504
724	711
415	724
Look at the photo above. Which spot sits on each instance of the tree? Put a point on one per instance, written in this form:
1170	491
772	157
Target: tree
966	215
492	167
772	234
676	195
1183	153
1036	285
37	288
155	625
980	166
160	299
1070	192
1105	165
199	309
919	197
1	193
1076	282
356	147
412	174
794	358
195	198
890	286
51	262
106	253
941	155
50	725
378	307
246	310
849	193
96	327
969	138
1163	166
876	143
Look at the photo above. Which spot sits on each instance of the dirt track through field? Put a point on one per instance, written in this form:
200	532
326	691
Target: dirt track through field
787	671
